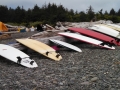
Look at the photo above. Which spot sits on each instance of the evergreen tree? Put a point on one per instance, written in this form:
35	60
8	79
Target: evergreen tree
112	12
11	15
61	15
19	15
52	13
28	16
35	14
118	13
90	13
106	13
3	13
100	12
82	17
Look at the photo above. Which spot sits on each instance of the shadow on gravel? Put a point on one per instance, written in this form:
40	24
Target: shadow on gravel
6	62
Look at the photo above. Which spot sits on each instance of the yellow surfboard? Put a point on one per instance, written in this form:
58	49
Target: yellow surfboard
45	46
41	48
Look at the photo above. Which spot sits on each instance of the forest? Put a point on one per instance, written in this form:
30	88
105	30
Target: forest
51	13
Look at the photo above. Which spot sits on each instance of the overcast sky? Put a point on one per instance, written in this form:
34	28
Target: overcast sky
79	5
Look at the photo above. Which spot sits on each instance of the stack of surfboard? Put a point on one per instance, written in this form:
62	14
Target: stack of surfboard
17	56
41	48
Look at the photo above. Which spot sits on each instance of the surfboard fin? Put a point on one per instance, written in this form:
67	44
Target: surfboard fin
57	55
102	44
30	57
47	53
19	60
31	62
110	45
65	30
117	40
105	43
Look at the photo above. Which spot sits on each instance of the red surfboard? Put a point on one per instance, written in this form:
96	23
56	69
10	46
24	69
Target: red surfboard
95	35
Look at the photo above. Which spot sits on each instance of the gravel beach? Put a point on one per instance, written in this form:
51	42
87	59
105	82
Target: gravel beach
94	68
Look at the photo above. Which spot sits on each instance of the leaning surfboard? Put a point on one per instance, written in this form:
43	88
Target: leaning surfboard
87	39
70	46
41	48
16	56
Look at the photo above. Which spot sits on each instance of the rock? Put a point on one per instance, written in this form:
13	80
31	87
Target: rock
118	78
85	83
94	79
83	78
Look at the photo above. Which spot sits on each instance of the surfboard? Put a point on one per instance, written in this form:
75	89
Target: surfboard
17	56
95	35
110	26
46	47
114	26
106	30
87	39
65	44
41	48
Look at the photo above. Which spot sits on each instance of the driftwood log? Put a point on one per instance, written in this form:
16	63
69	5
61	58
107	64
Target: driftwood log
44	37
44	40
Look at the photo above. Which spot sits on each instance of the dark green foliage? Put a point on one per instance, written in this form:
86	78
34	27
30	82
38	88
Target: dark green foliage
3	13
52	13
82	17
118	13
112	12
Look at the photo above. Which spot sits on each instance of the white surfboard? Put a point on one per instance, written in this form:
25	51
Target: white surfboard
70	46
16	56
114	25
106	30
87	39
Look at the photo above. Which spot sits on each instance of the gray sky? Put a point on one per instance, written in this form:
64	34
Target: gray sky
79	5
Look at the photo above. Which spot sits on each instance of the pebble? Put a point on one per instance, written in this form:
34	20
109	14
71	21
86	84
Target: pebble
85	83
94	79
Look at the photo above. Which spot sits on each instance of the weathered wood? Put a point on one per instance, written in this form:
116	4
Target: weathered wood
46	34
43	37
44	40
12	29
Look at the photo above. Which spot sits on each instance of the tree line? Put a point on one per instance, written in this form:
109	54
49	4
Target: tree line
51	13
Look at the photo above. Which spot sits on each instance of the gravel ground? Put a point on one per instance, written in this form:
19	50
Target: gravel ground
93	69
